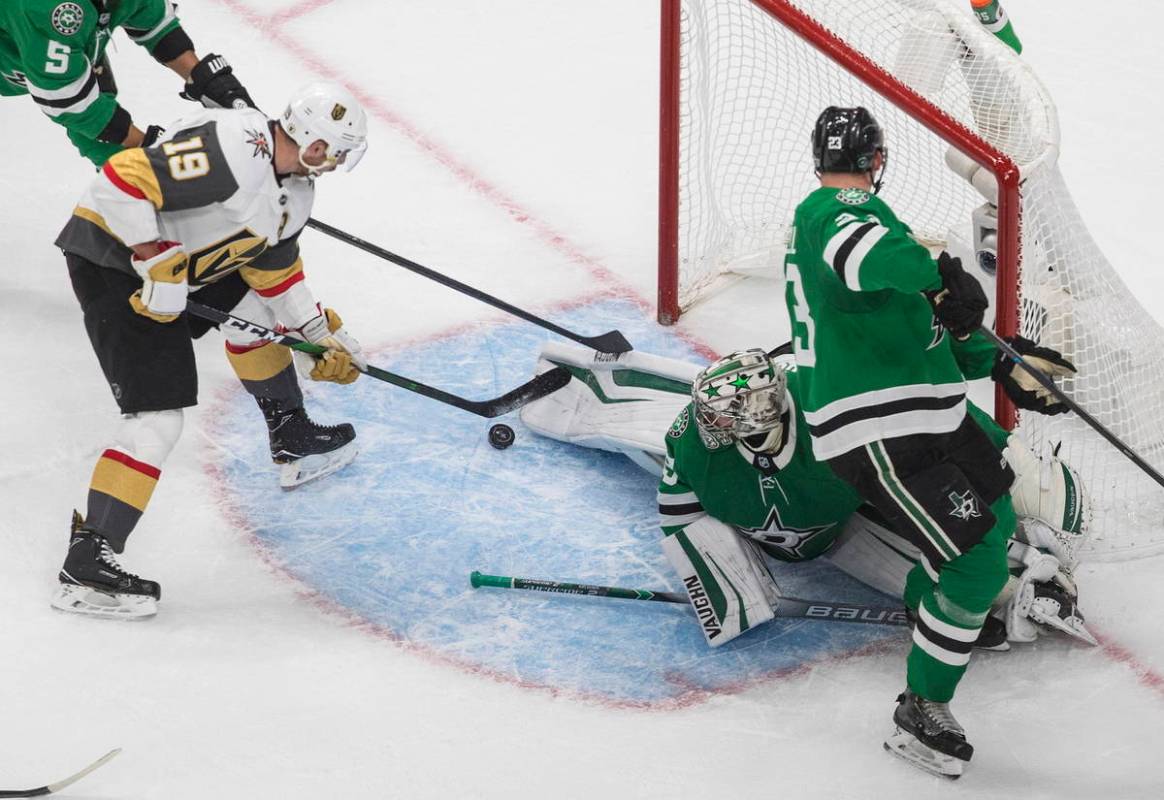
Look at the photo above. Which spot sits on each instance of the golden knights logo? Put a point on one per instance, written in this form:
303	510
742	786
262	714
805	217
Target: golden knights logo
965	505
258	140
337	112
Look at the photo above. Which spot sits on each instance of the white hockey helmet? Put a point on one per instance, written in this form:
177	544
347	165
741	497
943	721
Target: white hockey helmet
329	112
742	397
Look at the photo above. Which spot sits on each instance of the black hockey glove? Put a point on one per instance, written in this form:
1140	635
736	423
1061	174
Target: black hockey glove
152	134
960	304
1020	386
213	84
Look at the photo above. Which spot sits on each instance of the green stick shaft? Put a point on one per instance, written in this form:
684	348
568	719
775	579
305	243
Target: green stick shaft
788	607
478	579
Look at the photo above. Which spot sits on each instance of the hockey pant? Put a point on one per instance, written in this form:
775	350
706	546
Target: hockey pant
946	494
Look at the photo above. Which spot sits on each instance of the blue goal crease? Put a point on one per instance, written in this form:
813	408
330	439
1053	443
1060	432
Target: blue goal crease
428	500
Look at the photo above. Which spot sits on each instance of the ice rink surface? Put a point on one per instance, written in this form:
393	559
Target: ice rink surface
318	644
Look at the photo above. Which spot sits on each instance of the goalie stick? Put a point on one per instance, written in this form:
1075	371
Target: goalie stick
1095	424
49	788
529	391
609	342
789	607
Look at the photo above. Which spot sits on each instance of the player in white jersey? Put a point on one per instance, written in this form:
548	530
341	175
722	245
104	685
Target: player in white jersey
215	209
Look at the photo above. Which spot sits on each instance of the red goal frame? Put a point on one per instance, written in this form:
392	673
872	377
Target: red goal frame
1005	171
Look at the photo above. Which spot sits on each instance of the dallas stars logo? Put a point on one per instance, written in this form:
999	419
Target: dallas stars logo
258	141
965	505
785	537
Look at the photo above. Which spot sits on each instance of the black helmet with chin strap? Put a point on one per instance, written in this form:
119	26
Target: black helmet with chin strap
848	140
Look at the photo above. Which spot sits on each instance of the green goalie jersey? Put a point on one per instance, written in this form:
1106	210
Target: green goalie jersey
873	361
791	503
55	51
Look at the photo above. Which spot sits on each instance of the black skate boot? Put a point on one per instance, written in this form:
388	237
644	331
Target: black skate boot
92	582
928	736
305	450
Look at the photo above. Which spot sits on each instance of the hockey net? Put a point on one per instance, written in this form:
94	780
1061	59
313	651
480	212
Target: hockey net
742	84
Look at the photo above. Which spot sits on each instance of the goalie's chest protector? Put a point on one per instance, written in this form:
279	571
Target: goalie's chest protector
793	504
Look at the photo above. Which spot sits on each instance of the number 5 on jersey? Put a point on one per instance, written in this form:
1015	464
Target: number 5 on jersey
187	160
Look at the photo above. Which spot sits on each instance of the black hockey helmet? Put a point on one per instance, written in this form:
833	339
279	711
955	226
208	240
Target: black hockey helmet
846	140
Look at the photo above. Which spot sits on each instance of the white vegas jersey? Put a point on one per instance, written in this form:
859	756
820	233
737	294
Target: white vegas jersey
210	185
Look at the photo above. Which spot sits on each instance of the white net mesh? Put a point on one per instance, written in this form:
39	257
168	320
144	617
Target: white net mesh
750	93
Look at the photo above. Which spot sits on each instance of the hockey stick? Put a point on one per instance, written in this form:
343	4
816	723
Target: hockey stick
531	390
1095	424
610	342
49	788
790	607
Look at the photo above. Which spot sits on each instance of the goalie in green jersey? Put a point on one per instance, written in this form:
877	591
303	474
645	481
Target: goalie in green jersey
738	479
55	52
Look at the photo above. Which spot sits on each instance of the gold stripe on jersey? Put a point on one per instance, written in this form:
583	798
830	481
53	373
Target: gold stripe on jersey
89	215
125	478
258	363
262	280
133	167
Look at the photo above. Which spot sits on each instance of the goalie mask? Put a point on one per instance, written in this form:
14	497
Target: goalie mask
741	397
329	112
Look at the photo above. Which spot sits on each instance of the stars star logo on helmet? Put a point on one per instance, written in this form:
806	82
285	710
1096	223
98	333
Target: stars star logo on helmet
711	391
741	381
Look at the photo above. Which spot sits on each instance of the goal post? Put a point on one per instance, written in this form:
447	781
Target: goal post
973	143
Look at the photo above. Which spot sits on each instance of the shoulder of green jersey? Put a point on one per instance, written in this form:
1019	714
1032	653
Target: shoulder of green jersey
849	242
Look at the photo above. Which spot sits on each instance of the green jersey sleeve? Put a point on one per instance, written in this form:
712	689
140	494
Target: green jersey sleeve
678	504
870	249
57	43
148	22
975	355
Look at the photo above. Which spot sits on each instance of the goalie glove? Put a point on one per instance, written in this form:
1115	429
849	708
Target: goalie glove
1043	594
344	358
1021	387
162	296
960	305
213	84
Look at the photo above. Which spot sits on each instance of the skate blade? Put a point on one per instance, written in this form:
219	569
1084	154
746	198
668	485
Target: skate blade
905	746
313	467
84	600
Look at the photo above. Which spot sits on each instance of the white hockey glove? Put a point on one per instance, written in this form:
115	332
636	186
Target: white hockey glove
344	358
162	296
725	576
1043	594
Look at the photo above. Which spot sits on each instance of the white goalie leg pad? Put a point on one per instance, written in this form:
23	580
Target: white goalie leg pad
725	576
874	555
1049	491
149	436
1042	595
592	410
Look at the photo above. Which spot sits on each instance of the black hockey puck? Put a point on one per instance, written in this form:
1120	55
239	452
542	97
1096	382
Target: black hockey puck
501	436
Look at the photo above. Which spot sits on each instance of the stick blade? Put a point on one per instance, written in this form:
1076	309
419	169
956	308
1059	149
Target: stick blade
539	387
610	342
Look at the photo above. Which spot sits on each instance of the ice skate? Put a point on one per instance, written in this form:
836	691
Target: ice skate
928	736
92	582
305	450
